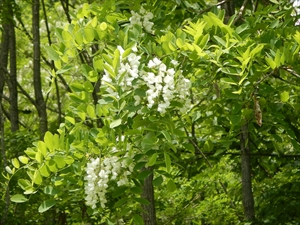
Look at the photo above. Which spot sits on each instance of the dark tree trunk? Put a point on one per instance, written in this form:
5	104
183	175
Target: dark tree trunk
13	87
39	98
229	8
4	53
149	215
248	201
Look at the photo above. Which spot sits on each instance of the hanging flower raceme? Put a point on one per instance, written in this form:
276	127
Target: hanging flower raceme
163	85
143	19
166	85
99	174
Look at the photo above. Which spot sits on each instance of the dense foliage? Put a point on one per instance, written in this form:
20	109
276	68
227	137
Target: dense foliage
173	96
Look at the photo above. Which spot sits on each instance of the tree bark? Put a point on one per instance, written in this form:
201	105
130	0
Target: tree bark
149	214
4	50
39	98
247	195
229	8
13	87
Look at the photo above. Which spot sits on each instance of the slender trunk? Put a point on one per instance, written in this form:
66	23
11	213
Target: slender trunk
7	201
229	8
4	49
247	195
39	98
149	215
13	88
59	118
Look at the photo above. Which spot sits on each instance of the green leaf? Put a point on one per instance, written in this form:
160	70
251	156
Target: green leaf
44	170
158	181
278	58
119	191
235	119
167	161
70	119
121	202
271	63
24	184
171	186
49	190
64	69
103	26
167	135
69	160
48	139
42	148
204	41
91	112
60	161
53	55
30	152
18	198
115	123
152	160
136	190
284	96
37	178
144	174
208	146
142	201
46	205
89	33
52	165
220	41
23	159
39	157
77	87
15	163
228	81
138	220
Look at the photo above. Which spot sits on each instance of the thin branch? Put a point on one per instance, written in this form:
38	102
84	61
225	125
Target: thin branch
291	71
241	12
265	77
26	94
210	7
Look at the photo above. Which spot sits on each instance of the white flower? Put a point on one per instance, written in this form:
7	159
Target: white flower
174	62
169	80
148	16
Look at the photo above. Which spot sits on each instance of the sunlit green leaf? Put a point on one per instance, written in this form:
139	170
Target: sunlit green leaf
152	159
15	163
284	96
115	123
47	204
18	198
23	159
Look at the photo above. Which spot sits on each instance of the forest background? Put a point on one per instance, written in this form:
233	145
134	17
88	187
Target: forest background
149	112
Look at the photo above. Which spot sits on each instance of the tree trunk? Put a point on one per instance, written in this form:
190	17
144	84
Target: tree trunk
229	8
149	215
13	87
39	98
248	201
4	50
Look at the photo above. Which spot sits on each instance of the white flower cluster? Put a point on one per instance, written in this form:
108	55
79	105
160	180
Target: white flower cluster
143	19
99	173
128	71
162	86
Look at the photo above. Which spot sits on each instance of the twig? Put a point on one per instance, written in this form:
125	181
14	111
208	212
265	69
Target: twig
240	13
210	7
291	71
